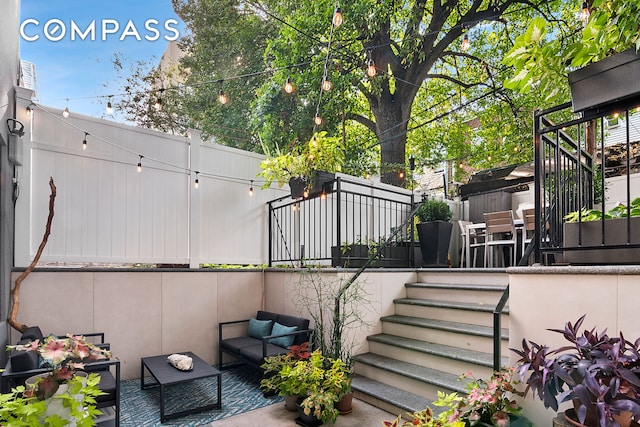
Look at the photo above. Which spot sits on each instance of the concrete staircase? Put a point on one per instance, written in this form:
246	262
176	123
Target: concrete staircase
442	329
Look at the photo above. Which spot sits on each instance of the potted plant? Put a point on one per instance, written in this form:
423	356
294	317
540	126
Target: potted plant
597	372
434	232
274	382
65	394
587	223
320	381
309	169
487	403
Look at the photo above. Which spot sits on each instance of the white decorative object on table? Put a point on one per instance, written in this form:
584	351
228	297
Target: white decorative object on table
180	361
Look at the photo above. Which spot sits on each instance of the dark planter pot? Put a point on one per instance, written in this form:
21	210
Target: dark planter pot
598	86
322	182
435	238
307	420
615	231
345	404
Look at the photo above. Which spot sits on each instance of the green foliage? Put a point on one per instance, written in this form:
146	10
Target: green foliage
619	211
544	54
21	407
320	153
434	210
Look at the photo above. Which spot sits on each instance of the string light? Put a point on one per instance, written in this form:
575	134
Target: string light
371	68
109	107
337	17
401	174
326	84
294	207
65	113
140	163
196	183
466	44
222	98
317	120
288	86
584	12
323	196
29	111
306	193
84	141
251	189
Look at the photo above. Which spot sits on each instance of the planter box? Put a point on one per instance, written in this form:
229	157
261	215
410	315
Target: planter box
357	255
615	234
600	85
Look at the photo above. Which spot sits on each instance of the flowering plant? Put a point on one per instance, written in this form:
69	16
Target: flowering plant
64	356
487	403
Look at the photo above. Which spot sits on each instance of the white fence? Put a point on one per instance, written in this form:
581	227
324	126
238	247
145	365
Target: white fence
107	212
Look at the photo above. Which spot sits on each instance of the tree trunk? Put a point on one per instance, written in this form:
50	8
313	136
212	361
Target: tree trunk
391	129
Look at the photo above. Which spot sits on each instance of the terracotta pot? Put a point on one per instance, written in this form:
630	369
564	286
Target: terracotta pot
345	404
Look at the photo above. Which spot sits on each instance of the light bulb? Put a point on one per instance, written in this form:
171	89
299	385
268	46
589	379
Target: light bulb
371	68
196	183
401	174
465	43
306	193
317	120
84	141
251	189
29	111
222	98
326	84
288	86
323	196
158	104
65	113
337	17
140	164
109	108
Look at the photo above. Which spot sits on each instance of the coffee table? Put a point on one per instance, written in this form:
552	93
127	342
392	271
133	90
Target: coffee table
165	374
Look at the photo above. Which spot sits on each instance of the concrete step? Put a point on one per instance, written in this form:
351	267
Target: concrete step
454	334
460	292
449	359
452	311
388	398
415	379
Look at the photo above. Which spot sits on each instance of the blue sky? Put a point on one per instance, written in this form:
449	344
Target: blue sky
82	70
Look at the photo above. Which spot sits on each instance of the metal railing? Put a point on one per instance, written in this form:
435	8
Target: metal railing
343	227
569	179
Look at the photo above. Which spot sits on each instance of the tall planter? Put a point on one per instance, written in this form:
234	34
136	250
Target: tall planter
598	86
435	238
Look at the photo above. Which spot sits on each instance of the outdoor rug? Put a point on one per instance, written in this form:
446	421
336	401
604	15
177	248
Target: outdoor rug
240	394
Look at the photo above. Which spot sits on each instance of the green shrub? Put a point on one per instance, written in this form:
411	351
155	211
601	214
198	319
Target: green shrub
434	210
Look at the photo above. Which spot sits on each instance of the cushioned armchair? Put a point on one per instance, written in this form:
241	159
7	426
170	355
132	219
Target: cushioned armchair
24	364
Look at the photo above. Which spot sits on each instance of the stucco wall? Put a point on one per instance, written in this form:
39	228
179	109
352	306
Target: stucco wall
548	297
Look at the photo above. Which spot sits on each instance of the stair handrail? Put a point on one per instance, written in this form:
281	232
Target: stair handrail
337	330
497	330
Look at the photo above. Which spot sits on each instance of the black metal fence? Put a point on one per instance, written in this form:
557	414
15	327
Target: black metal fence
342	226
572	161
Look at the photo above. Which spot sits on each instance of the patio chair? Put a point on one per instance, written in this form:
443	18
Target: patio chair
529	218
500	231
476	240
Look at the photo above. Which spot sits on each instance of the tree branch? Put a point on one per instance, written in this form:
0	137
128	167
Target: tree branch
15	292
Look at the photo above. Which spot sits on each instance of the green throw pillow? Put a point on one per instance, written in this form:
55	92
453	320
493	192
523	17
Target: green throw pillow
281	329
259	328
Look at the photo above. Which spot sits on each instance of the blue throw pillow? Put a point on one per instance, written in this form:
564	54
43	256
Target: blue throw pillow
281	329
259	328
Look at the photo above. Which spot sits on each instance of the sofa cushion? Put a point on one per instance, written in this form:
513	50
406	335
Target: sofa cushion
279	329
301	323
107	384
259	328
31	334
254	352
24	360
234	345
